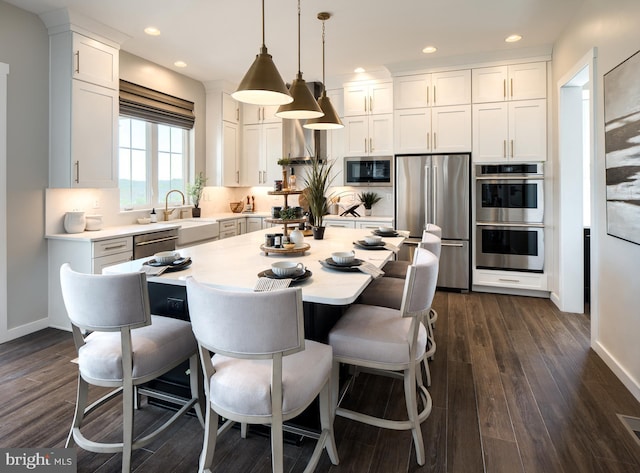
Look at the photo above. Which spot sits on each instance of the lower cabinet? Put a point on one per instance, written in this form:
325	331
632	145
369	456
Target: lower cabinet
228	228
510	279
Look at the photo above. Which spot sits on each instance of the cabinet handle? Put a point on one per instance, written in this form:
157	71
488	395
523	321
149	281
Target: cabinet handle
237	177
509	280
504	88
365	104
115	247
371	145
435	100
428	140
237	114
435	145
504	148
370	104
365	145
77	179
77	62
427	95
511	88
512	155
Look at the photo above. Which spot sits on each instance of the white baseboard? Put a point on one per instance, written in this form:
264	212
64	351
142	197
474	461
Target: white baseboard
555	299
26	329
631	384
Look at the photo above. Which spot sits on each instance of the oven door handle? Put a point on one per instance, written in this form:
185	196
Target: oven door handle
506	224
506	177
159	240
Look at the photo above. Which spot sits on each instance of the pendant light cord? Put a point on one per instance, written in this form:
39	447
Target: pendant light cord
299	73
264	46
323	79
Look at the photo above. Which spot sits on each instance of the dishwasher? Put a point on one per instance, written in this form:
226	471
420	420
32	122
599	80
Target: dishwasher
148	244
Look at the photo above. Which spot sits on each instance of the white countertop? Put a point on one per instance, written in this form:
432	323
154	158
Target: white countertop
234	263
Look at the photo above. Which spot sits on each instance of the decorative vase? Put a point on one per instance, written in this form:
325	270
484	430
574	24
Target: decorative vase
74	222
195	212
297	237
318	233
367	212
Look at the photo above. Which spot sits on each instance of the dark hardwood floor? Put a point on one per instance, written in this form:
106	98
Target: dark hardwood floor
515	389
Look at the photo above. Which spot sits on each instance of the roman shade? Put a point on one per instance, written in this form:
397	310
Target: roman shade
153	106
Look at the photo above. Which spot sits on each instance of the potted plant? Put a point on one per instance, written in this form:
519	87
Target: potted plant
368	199
195	192
318	181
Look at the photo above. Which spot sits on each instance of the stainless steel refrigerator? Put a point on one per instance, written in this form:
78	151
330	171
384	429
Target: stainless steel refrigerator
435	189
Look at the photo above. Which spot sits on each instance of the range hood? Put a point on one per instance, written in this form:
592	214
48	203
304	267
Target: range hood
301	144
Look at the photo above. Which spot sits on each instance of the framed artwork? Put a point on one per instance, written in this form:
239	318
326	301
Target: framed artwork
622	149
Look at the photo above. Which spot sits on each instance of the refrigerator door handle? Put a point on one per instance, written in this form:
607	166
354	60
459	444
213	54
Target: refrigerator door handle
427	193
434	195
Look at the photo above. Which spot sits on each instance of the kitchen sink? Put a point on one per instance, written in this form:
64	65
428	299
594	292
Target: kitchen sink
196	230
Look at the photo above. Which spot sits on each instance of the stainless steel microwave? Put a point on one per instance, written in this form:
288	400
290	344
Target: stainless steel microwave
368	171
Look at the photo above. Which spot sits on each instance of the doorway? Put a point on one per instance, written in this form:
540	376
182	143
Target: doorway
576	185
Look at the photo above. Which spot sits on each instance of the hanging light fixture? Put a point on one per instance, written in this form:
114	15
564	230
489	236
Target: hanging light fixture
304	104
330	120
262	84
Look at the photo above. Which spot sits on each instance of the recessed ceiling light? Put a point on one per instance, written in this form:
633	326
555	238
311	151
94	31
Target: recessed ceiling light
513	38
429	49
152	31
180	64
358	70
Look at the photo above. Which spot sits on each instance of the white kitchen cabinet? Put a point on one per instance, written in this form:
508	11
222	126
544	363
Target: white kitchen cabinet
84	101
368	98
510	280
510	131
230	162
368	135
433	130
230	109
253	224
252	114
514	82
430	90
336	223
228	228
261	150
95	62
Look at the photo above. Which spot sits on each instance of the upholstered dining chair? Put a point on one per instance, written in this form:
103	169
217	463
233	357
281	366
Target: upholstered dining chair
391	340
398	268
121	345
263	370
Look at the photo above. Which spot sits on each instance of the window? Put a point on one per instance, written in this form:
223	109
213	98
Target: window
153	159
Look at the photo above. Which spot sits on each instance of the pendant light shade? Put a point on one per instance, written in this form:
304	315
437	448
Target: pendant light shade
263	84
330	120
304	104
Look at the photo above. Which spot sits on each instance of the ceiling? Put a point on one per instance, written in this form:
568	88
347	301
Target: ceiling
219	39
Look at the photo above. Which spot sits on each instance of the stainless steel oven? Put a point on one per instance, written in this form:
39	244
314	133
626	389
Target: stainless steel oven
510	193
510	246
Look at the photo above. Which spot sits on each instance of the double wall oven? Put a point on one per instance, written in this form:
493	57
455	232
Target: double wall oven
510	217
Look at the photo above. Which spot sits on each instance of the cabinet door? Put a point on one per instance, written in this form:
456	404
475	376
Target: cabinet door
528	130
230	109
381	135
98	264
94	136
95	62
412	130
489	84
528	81
490	132
252	154
230	154
254	224
381	98
269	114
356	100
337	100
272	133
356	135
411	91
451	129
451	88
251	113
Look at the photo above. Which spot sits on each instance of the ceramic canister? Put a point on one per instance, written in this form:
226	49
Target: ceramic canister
74	222
93	222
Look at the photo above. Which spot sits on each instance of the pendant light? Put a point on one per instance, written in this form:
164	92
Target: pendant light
330	120
262	84
304	104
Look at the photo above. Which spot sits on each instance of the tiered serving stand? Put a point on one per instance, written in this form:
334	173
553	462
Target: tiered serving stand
285	224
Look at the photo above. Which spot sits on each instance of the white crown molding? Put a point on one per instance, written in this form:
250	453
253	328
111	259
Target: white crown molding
59	21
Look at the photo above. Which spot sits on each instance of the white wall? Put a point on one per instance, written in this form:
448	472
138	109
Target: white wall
24	45
611	27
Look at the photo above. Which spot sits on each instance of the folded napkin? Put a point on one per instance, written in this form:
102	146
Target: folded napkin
153	270
370	269
390	247
268	284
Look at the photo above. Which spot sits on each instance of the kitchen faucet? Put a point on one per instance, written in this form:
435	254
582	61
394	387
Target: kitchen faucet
167	212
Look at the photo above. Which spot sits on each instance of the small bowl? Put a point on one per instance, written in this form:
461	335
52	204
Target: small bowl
166	257
285	269
372	239
289	246
386	229
144	220
343	257
236	207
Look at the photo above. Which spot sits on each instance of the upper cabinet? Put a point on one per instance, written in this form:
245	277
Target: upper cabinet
514	82
253	114
261	150
368	98
432	130
433	90
223	164
230	109
84	101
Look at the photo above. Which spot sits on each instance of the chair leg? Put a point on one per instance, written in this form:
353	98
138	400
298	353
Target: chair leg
195	378
78	416
327	410
127	426
243	430
209	443
335	388
277	448
412	410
